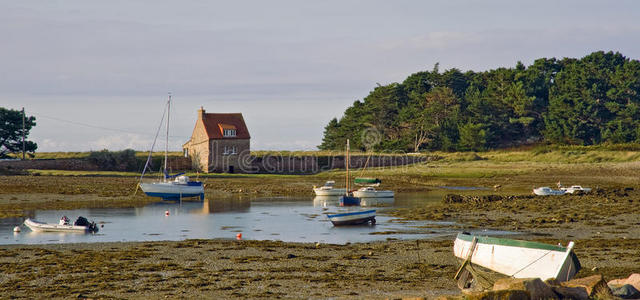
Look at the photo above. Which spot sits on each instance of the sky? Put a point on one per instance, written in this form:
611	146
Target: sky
96	74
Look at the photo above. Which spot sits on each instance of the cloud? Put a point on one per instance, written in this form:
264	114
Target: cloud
124	141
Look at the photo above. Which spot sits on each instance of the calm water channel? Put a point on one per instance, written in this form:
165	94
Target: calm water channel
290	219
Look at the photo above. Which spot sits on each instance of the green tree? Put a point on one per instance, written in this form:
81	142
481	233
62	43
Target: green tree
472	137
11	132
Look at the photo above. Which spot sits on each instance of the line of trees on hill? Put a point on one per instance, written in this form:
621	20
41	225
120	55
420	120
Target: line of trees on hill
587	101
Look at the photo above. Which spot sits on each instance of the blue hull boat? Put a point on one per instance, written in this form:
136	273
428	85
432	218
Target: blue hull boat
349	201
353	218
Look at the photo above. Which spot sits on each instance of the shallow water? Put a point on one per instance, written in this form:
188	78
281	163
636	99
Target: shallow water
288	219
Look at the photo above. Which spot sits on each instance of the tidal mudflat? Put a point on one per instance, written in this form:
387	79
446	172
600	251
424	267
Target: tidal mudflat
603	224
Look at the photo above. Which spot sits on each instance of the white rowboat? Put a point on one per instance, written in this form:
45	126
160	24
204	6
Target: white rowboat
517	258
547	191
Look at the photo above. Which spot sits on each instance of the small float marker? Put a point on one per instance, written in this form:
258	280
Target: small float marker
239	236
16	229
166	213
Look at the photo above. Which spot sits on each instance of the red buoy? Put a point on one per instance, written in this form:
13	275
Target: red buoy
166	213
239	236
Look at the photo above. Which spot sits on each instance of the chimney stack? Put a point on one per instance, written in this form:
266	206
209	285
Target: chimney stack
201	113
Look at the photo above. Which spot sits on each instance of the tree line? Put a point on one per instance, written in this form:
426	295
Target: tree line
587	101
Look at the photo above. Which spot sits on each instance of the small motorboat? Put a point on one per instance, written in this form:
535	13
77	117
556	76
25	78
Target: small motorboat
371	192
328	189
547	191
81	225
575	188
517	258
353	218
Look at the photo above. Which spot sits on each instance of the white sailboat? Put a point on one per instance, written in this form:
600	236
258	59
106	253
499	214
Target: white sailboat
167	189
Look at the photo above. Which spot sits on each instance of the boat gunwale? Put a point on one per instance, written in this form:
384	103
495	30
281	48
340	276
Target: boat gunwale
510	242
351	213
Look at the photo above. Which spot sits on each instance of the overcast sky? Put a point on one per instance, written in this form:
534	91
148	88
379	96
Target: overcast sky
96	73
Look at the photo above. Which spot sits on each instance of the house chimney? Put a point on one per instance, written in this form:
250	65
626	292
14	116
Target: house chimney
201	113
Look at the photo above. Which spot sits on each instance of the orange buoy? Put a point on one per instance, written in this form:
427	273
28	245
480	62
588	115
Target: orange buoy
239	236
166	213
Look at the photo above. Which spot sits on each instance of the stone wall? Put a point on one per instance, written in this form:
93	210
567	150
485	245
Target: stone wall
77	164
315	164
242	163
231	163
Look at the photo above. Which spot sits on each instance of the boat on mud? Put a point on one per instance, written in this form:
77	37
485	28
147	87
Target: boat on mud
328	189
81	225
547	191
353	218
516	258
575	189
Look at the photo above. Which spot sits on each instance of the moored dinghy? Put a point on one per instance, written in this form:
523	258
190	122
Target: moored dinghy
353	218
517	258
80	226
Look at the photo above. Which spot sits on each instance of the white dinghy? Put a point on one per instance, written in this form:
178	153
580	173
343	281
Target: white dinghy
78	227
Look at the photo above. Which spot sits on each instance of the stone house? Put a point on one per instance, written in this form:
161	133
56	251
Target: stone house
219	142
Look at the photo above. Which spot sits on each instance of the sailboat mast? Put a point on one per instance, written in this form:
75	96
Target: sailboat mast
347	162
166	147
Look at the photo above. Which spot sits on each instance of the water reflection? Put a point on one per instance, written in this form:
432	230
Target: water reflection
292	219
326	201
377	201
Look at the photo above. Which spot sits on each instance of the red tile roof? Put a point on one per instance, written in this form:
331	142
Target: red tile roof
214	124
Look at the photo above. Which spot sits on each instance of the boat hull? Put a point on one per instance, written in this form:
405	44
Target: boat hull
349	201
353	218
519	259
329	192
171	190
373	194
47	227
576	189
546	191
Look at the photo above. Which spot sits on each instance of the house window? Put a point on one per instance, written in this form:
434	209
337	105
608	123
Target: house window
229	150
229	132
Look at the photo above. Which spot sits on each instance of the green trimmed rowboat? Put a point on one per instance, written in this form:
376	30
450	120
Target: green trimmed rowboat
517	258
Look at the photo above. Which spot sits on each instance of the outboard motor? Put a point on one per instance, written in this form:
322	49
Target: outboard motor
82	221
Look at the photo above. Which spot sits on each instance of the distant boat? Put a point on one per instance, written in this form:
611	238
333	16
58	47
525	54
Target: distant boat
547	191
348	199
167	189
517	258
367	181
328	189
371	192
77	227
353	218
575	188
